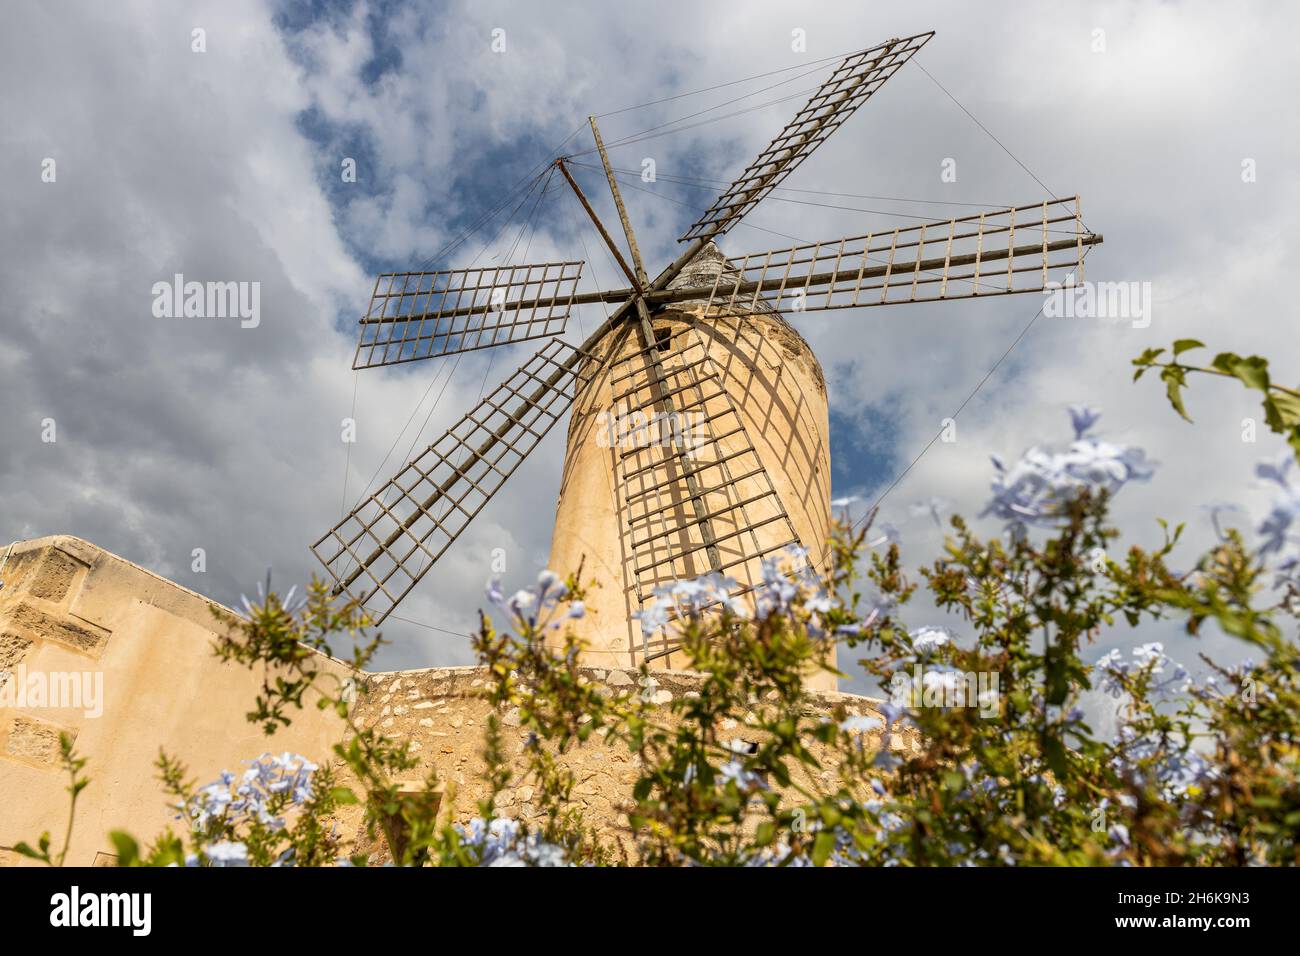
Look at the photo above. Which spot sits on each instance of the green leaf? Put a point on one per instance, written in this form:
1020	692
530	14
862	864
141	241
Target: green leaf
1148	357
1185	345
1175	381
1054	754
1225	360
1294	441
1273	416
1253	372
1056	680
822	847
781	773
1288	408
128	851
26	850
765	833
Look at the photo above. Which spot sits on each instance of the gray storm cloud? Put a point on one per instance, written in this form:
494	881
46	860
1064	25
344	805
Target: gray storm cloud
177	434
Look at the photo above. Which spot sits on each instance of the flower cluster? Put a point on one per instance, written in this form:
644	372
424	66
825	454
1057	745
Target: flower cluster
788	579
927	640
537	609
222	853
269	782
1178	771
692	597
1281	527
292	602
1037	489
503	842
225	809
1148	659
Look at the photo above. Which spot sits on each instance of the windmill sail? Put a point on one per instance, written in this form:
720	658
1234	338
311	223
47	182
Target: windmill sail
701	497
418	315
381	550
854	80
693	494
1007	251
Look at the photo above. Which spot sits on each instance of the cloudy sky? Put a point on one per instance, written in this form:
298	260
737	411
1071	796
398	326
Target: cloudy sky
174	434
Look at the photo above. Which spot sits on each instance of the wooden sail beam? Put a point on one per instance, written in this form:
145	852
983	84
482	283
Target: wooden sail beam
662	296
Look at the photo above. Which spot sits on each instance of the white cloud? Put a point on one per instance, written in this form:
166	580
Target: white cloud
176	434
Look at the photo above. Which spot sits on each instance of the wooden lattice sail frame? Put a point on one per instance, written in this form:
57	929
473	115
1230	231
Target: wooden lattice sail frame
674	505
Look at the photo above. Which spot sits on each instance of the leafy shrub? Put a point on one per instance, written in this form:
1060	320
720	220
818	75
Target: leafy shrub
1009	770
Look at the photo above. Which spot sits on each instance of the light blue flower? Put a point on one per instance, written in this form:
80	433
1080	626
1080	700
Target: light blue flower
1152	653
1277	525
1083	418
1037	489
934	507
927	640
891	712
861	724
654	618
1276	469
733	771
504	842
226	853
820	602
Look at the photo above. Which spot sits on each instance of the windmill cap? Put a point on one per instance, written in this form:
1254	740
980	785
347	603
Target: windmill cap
703	269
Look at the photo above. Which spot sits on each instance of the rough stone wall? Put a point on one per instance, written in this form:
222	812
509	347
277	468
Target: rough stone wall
443	715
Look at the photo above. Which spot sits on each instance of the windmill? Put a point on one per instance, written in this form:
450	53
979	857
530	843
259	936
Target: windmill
699	438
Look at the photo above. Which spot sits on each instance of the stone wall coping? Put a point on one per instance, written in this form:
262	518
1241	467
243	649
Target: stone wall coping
464	680
86	552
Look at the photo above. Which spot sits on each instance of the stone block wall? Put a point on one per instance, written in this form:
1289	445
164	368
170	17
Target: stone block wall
443	714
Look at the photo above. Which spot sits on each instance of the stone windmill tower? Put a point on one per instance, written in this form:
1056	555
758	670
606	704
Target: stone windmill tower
699	441
749	424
